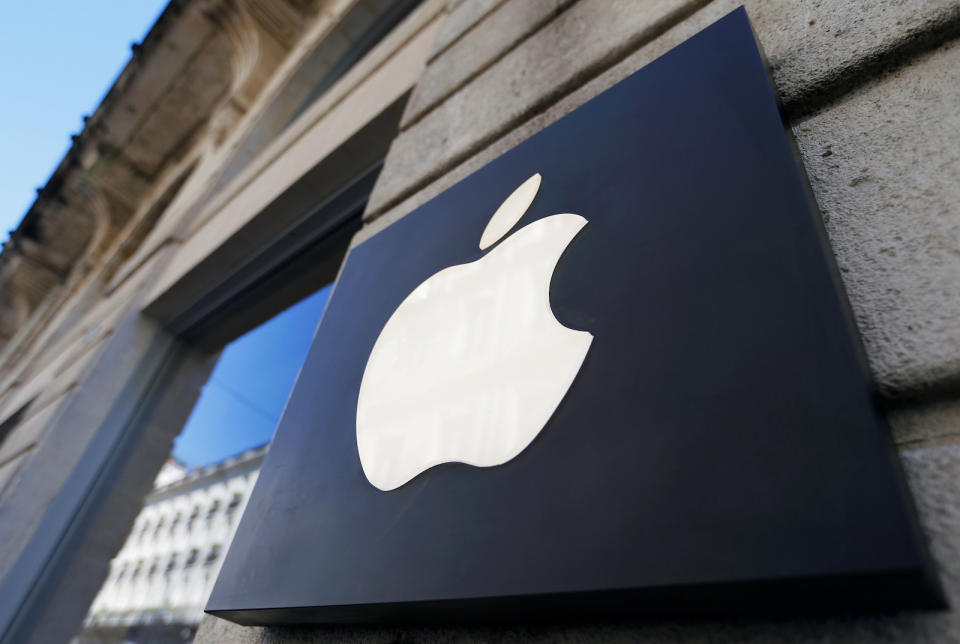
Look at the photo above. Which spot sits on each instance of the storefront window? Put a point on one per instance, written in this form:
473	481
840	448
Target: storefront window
207	480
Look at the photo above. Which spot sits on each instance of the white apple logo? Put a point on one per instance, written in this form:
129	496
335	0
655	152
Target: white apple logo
472	364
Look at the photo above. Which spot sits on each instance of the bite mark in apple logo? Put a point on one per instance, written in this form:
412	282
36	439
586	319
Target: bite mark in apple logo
473	363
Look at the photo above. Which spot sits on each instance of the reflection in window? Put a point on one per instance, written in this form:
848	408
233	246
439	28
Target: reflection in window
212	512
193	517
171	564
213	555
234	504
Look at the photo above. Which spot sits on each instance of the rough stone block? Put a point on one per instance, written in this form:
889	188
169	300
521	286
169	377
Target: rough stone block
932	422
885	167
510	23
461	16
579	43
817	50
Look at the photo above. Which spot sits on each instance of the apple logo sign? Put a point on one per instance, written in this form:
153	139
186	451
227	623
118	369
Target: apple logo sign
473	363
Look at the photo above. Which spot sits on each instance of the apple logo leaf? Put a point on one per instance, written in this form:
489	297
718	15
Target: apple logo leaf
510	212
473	363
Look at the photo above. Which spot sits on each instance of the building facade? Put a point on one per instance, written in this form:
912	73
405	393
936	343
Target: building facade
248	144
162	576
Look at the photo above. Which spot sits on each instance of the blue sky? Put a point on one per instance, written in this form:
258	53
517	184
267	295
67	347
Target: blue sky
245	395
58	58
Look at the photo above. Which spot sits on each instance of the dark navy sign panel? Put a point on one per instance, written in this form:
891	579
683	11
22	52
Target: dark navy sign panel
720	450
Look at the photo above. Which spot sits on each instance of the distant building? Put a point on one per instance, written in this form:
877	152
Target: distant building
160	579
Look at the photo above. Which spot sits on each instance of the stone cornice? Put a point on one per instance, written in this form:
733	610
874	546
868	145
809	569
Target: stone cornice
201	63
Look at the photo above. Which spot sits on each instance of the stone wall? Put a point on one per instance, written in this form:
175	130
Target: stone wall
870	88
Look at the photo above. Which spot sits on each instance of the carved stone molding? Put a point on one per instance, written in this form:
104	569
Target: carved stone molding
239	28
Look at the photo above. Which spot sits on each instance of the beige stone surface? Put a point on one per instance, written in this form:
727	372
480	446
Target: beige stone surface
845	42
70	337
934	476
462	16
24	438
193	92
70	372
38	383
30	428
819	49
206	189
525	129
476	50
578	44
65	338
248	142
929	422
372	95
885	167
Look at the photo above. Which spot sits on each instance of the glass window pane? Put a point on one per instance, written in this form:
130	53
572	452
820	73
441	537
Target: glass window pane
245	395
